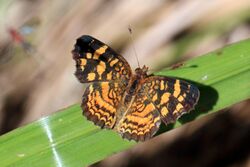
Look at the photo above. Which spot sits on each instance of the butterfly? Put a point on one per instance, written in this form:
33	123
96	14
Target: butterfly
133	104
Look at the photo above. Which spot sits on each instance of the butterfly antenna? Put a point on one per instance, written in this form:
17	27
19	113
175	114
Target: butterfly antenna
132	41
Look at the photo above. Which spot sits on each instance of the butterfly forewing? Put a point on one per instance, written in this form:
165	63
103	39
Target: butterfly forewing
96	61
172	97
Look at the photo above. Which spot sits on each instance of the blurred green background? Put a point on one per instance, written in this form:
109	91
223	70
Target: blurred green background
36	66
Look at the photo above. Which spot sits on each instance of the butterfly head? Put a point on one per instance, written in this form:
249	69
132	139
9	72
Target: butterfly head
141	72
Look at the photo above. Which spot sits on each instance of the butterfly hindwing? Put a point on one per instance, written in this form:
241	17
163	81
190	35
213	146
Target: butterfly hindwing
172	97
100	102
142	120
96	61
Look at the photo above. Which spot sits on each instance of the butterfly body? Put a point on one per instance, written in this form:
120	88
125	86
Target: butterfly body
133	104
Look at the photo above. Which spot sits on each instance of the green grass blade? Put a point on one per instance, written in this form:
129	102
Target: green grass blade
66	138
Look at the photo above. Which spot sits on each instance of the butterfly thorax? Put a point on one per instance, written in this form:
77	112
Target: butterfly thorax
136	80
135	83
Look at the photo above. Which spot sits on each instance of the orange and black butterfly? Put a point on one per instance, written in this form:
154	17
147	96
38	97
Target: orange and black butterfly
133	104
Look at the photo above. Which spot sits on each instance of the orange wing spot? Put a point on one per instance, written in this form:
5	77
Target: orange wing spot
164	111
137	130
149	108
98	115
111	93
91	88
134	131
91	76
128	125
140	106
108	124
145	98
162	85
131	128
165	98
178	108
140	133
83	62
177	88
106	98
89	103
150	126
184	95
113	62
100	51
101	67
110	108
156	119
117	69
102	103
92	111
128	130
155	97
140	120
105	90
103	119
180	99
88	55
109	75
147	130
120	64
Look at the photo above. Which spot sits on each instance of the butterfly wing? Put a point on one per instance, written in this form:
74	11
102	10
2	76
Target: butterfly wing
95	61
142	120
100	102
159	98
108	74
172	97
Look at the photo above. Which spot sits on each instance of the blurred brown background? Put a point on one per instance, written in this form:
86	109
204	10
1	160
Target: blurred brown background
36	66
